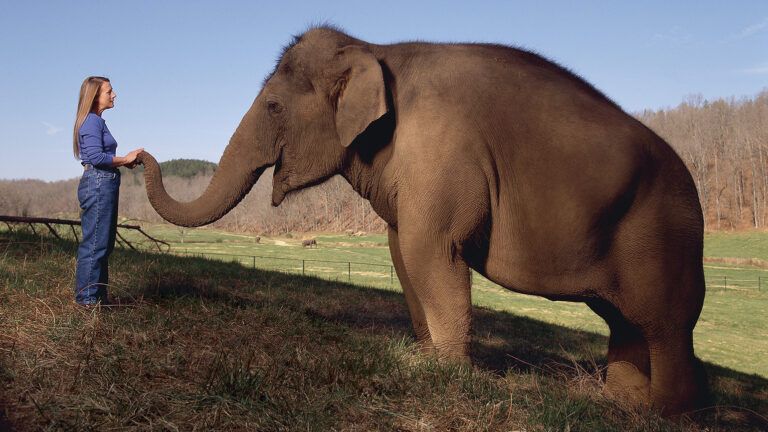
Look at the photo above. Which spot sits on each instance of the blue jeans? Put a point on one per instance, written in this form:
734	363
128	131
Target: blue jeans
98	194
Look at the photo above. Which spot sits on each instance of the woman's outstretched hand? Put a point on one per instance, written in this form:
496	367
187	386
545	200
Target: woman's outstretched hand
130	158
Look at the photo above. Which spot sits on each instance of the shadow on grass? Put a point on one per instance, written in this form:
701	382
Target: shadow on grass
503	342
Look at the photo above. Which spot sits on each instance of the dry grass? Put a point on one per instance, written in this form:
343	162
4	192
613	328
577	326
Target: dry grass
209	345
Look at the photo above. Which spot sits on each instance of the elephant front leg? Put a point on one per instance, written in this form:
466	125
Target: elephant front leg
418	319
440	288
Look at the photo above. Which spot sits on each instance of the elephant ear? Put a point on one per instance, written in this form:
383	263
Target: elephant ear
360	94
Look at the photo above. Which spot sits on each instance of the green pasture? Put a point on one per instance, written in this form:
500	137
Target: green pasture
745	244
732	330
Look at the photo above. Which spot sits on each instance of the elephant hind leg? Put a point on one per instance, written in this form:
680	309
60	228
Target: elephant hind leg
629	371
661	293
660	309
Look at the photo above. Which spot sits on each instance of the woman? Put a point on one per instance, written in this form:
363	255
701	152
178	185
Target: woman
99	189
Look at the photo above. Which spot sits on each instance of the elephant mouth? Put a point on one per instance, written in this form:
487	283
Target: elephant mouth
276	175
279	187
279	161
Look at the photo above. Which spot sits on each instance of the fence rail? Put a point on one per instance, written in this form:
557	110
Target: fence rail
50	223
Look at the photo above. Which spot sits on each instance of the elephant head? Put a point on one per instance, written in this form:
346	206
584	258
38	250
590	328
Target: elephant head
325	90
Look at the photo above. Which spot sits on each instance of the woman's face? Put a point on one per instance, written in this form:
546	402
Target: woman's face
106	99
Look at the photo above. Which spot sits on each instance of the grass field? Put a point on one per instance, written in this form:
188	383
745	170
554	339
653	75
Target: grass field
732	330
209	345
747	244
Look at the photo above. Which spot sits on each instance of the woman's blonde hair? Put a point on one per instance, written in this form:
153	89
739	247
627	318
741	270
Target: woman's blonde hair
89	91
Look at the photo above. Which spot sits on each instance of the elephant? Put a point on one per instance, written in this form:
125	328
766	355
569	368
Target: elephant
491	158
309	243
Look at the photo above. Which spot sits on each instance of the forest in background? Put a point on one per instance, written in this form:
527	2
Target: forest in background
724	143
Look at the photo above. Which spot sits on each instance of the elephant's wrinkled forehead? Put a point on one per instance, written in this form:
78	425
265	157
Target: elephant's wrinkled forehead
291	64
290	72
306	55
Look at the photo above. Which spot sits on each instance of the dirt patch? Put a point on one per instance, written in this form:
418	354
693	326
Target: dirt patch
359	244
371	274
754	262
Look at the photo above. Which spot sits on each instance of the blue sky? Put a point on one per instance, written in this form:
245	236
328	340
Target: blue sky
186	71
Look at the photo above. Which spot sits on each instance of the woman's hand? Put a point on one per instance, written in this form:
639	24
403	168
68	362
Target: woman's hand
130	158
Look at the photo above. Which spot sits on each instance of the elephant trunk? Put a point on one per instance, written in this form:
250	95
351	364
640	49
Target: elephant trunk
240	167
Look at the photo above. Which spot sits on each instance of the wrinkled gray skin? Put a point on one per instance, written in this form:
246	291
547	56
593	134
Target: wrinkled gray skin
490	158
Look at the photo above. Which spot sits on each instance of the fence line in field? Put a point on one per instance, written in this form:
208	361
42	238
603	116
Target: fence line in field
305	266
713	282
300	264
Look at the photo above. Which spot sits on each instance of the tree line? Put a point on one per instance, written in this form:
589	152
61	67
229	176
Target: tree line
724	143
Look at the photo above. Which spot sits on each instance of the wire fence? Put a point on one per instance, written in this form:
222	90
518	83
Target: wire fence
349	271
716	282
383	275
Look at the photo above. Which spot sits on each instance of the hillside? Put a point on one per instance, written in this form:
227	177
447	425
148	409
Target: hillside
213	345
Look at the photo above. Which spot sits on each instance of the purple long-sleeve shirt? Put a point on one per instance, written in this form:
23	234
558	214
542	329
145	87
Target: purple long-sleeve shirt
97	145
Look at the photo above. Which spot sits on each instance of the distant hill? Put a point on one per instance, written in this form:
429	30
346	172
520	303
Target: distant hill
185	168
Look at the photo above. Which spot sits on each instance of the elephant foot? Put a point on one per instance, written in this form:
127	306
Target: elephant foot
632	389
425	346
443	354
453	352
626	384
686	391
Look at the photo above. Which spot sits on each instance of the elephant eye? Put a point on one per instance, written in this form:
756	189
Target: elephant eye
274	107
